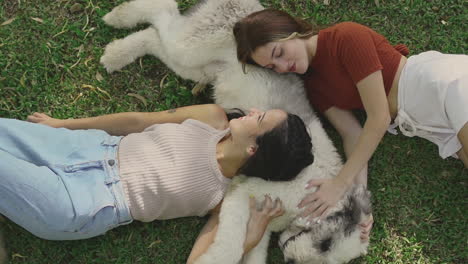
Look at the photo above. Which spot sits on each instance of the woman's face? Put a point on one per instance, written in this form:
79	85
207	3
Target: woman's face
246	129
283	56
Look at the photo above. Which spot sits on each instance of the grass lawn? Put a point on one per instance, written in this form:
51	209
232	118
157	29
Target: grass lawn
49	62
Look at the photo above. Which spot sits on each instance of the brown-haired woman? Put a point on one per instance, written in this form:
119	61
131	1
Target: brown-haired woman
349	66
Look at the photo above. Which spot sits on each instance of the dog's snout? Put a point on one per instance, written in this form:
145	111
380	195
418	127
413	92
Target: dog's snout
290	261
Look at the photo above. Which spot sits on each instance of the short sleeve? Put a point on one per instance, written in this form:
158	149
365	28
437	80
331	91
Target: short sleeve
357	50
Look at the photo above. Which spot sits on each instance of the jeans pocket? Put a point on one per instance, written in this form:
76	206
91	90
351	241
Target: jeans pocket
90	196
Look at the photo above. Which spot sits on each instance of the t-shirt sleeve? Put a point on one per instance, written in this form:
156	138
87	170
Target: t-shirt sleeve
357	51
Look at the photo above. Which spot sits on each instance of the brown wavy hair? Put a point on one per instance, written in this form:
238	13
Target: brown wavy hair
268	25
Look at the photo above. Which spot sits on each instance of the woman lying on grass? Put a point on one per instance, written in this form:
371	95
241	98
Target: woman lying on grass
350	66
78	178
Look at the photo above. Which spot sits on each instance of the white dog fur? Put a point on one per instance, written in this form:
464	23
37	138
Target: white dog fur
199	45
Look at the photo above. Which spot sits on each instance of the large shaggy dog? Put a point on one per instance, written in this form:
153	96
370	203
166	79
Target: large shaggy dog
199	45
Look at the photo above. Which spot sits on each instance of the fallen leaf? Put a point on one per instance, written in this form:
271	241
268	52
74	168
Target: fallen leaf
98	89
139	97
161	83
23	79
99	77
16	255
37	19
8	21
154	243
87	60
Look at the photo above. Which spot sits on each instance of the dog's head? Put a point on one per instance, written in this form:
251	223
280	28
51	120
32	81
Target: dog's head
333	240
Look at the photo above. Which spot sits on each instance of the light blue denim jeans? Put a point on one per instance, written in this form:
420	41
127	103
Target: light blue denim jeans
60	184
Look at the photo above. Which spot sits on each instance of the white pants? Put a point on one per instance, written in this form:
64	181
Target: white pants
433	99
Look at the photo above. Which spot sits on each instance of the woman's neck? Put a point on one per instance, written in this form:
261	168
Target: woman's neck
311	46
230	157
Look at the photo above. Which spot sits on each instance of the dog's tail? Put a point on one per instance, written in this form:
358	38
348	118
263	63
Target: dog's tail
129	14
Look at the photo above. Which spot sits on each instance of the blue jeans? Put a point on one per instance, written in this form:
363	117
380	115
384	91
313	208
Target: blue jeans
60	184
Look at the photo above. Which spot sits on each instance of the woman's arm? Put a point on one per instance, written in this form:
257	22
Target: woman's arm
205	238
350	130
375	103
259	219
132	122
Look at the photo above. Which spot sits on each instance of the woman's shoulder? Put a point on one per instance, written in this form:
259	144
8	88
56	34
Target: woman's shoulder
209	114
214	117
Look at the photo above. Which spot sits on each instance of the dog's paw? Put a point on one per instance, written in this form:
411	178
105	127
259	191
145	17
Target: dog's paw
121	17
112	19
116	56
109	63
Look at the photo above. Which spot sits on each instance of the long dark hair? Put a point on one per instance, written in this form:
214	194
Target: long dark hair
281	152
265	26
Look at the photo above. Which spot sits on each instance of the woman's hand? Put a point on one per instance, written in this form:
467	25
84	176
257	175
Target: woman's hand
259	219
319	203
44	119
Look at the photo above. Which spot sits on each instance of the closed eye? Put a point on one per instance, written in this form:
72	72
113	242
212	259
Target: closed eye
260	118
280	53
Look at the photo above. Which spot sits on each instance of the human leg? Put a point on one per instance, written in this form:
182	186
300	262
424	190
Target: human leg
3	252
44	145
60	184
463	137
33	197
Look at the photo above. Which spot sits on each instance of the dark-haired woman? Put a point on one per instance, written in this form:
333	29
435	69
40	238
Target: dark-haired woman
349	66
77	178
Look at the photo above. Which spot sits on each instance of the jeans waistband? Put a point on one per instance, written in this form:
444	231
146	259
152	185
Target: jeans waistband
111	164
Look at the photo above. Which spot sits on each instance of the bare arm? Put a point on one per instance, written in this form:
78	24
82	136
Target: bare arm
374	99
132	122
349	129
259	219
205	238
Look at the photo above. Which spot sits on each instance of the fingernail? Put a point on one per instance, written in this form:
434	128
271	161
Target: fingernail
308	223
318	221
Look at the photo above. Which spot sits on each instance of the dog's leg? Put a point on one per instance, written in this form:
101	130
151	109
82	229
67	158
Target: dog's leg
124	51
258	254
129	14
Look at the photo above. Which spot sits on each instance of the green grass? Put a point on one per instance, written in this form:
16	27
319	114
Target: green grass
51	64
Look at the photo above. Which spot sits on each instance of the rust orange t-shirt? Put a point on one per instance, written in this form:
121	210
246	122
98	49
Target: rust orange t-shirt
347	53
